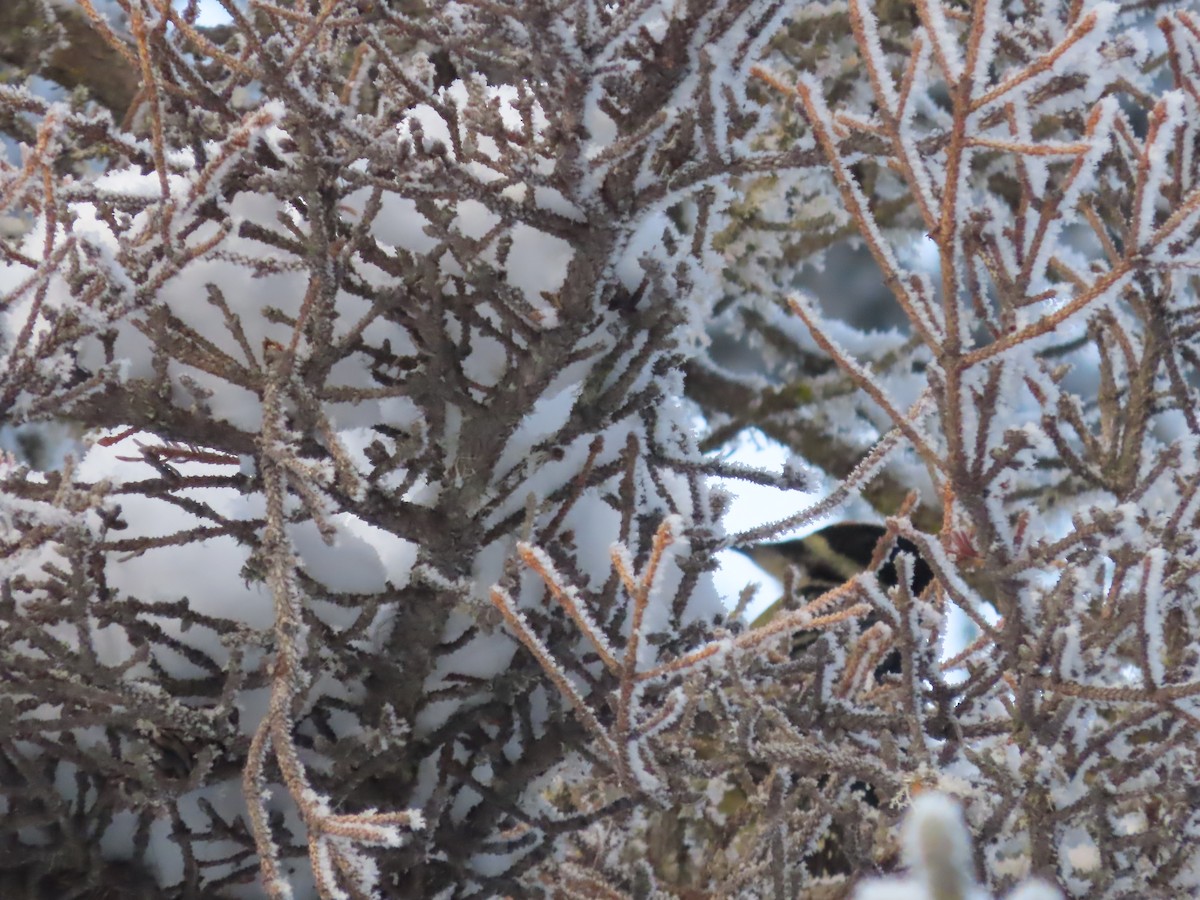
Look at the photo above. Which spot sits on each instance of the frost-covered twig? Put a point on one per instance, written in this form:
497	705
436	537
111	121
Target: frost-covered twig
334	840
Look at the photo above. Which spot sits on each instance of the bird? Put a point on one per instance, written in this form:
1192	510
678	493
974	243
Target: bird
828	558
809	567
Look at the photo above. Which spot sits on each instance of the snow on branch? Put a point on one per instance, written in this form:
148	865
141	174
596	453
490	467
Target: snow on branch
368	383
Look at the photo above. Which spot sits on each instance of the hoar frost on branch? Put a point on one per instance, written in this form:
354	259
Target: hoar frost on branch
386	568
